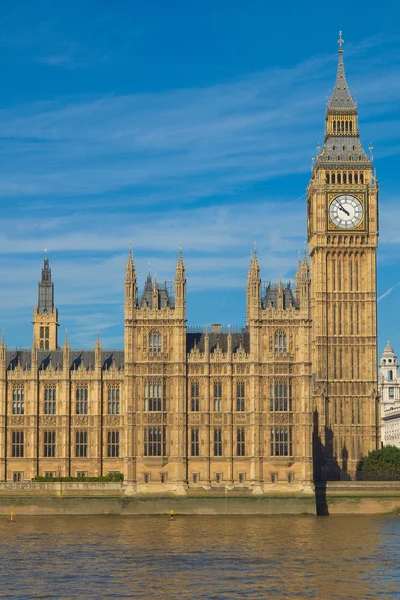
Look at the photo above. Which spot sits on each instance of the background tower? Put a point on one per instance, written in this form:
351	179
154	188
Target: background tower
342	207
45	315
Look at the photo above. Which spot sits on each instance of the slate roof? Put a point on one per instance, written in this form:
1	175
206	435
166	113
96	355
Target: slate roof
165	294
270	298
55	358
341	98
343	149
197	340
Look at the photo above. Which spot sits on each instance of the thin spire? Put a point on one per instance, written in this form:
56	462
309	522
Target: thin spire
341	97
66	342
98	343
130	265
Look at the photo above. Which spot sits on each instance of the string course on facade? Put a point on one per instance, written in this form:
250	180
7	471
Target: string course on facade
289	399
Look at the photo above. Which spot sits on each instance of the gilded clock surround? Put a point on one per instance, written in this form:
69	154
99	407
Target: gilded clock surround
361	225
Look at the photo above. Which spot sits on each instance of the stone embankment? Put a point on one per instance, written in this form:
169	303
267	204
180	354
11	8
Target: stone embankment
336	498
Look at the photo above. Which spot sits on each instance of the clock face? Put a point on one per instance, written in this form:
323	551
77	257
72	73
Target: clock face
346	212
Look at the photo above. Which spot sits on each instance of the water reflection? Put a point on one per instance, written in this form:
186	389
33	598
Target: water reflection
200	557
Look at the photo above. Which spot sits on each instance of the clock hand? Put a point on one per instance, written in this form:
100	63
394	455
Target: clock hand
343	209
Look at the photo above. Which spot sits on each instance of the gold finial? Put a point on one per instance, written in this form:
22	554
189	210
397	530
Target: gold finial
340	42
255	249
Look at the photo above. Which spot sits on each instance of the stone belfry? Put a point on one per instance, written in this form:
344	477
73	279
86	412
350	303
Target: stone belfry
45	314
342	210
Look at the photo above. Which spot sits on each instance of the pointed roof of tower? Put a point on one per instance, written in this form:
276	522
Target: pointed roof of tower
254	270
46	289
130	265
180	267
66	341
388	349
341	98
98	343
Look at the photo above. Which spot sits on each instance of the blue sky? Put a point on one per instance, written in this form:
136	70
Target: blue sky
167	122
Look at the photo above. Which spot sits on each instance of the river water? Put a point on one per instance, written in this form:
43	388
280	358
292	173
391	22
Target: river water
200	557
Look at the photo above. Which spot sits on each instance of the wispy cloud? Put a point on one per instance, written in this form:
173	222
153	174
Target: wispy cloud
214	168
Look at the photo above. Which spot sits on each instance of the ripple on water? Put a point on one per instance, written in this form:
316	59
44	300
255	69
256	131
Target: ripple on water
200	557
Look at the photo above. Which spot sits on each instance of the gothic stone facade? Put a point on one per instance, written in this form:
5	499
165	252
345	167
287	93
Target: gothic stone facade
290	398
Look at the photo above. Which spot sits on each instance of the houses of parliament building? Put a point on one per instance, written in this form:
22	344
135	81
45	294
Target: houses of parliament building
290	398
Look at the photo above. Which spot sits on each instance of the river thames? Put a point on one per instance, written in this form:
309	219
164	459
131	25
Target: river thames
200	557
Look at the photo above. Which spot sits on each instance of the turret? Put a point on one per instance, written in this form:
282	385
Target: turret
45	314
253	290
302	283
388	364
180	286
97	353
3	352
131	291
66	353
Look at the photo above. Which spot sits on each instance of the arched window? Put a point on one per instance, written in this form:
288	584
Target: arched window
217	396
361	177
155	342
154	396
339	178
342	125
113	400
41	344
333	178
281	441
347	126
280	342
240	389
344	178
334	126
350	177
46	345
390	375
81	397
351	126
355	177
327	178
280	396
194	396
18	405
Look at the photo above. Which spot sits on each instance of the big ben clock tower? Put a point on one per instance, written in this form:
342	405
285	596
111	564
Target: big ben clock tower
342	211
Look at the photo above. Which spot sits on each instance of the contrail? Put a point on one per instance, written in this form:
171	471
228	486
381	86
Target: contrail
389	291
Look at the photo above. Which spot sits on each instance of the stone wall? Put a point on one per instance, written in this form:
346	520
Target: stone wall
114	499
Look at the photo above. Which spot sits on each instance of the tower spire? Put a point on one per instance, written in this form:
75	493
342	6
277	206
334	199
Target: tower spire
341	98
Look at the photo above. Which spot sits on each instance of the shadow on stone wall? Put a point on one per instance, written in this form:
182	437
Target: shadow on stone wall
325	465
